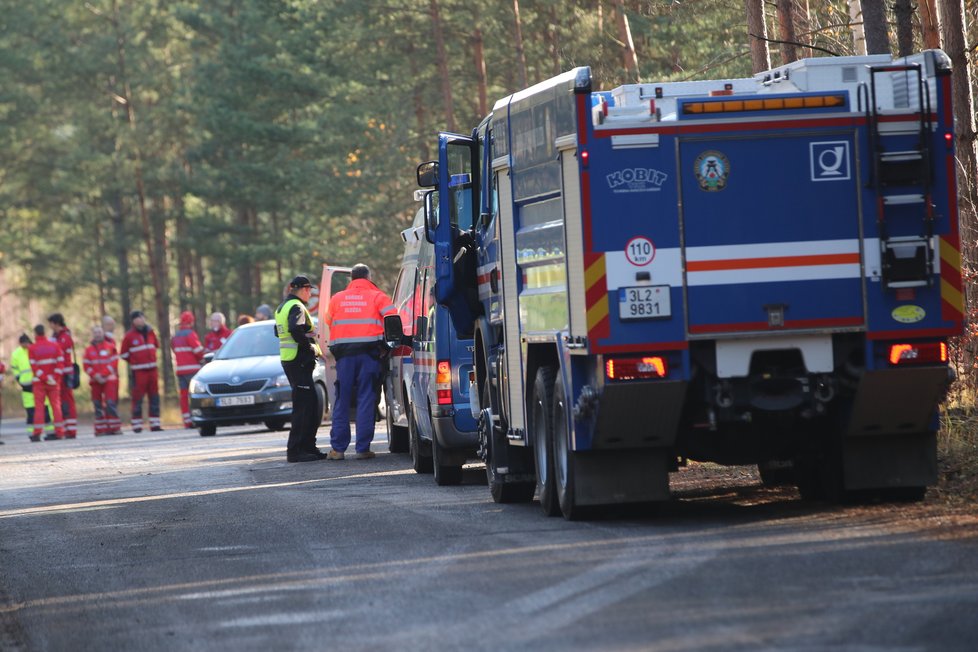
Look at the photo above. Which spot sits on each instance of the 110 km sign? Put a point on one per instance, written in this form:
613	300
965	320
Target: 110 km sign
640	251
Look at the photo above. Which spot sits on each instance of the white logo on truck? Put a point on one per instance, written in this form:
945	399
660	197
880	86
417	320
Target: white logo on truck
830	161
636	180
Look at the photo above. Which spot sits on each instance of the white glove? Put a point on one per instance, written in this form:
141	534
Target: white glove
51	381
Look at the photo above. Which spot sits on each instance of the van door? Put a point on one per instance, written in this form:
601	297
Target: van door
334	279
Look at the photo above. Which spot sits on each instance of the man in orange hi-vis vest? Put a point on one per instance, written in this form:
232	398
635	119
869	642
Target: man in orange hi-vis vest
355	318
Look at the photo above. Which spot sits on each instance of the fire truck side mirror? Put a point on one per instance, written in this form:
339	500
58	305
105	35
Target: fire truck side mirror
393	330
428	174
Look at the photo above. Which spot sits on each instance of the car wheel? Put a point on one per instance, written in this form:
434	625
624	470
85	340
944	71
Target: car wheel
397	436
420	462
320	401
208	430
275	424
446	474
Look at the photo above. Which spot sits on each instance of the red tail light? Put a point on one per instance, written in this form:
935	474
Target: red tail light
443	382
925	353
631	368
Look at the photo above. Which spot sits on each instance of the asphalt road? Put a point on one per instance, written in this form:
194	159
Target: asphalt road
170	541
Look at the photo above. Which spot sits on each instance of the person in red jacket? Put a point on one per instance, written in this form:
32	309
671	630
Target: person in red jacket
218	334
139	348
189	354
47	362
102	366
62	336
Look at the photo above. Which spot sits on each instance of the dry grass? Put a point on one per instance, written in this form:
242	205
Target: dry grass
957	451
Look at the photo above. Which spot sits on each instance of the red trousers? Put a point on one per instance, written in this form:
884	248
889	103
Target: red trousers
68	409
145	383
105	398
51	393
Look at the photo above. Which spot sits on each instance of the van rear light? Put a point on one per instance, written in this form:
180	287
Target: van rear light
443	382
632	368
925	353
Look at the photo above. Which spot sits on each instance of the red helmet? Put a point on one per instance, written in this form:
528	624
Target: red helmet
186	318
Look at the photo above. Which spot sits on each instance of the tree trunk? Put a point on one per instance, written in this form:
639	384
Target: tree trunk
628	54
760	56
163	302
156	267
786	29
245	281
903	10
929	24
99	267
479	59
420	112
874	24
858	28
446	82
122	257
185	276
553	37
954	31
520	52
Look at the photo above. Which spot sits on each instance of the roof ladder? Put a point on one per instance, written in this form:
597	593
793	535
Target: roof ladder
901	176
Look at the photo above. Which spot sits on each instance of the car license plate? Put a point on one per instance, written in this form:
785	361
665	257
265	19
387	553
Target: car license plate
646	302
228	401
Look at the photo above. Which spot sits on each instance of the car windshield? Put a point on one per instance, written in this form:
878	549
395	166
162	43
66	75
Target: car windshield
250	341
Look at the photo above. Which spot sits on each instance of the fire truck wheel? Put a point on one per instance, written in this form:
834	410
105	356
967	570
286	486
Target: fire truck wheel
563	465
445	474
494	443
419	461
542	428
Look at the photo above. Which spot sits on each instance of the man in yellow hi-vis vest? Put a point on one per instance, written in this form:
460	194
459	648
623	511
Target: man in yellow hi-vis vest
299	350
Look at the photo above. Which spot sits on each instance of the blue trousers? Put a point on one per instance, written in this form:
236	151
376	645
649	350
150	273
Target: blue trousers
355	373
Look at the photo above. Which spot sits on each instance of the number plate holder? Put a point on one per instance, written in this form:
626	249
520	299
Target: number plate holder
644	302
228	401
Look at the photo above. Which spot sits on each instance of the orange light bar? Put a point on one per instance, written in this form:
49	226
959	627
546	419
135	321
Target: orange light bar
632	368
923	353
764	104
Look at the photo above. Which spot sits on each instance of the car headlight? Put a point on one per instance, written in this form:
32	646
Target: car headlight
281	381
197	387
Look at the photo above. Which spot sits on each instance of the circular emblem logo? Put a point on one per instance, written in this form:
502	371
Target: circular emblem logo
235	380
712	169
908	314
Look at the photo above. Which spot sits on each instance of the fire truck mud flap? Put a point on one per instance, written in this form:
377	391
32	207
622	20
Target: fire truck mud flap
638	415
890	439
625	476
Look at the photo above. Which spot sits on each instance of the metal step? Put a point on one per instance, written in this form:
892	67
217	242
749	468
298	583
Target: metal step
899	200
911	155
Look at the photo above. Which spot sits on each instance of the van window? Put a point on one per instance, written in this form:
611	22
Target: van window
338	282
404	298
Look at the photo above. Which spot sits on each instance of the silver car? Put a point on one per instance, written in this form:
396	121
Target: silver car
245	383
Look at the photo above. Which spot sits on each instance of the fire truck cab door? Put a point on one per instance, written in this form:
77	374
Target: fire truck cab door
455	207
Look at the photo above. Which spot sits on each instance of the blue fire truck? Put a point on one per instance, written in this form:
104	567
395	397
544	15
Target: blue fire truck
748	271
